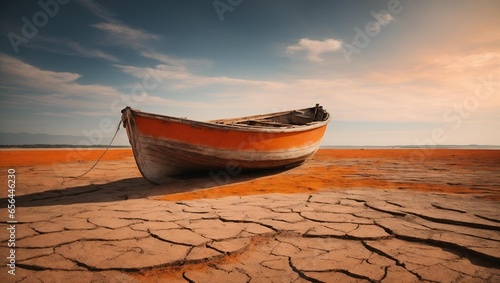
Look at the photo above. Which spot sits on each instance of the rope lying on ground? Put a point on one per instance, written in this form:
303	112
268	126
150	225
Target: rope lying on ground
117	129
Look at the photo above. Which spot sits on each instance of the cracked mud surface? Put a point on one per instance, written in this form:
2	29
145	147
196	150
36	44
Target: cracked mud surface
362	235
346	221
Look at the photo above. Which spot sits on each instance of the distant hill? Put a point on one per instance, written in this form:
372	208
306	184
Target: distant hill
45	140
444	146
27	138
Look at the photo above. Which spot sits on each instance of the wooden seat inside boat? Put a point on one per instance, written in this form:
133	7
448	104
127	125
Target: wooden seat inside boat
266	123
289	119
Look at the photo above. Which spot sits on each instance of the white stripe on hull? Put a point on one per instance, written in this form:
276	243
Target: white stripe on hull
159	159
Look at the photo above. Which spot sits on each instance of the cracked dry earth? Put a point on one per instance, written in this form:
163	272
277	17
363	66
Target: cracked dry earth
362	235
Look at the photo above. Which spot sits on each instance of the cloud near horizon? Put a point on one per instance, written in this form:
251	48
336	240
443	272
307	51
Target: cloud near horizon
29	86
384	101
25	86
179	77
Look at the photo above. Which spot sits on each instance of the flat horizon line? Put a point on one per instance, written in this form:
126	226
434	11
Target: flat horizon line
468	146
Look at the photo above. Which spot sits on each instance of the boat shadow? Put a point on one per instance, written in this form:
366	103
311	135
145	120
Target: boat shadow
134	188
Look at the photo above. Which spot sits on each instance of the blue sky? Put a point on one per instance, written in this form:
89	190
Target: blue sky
390	72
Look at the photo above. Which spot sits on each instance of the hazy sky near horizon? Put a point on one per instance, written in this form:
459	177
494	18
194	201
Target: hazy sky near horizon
390	72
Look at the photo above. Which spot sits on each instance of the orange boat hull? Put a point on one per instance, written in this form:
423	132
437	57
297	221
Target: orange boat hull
166	146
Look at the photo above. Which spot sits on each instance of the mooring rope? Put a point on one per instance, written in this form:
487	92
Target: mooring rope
117	129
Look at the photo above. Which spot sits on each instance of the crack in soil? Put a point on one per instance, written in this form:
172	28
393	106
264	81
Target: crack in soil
394	213
487	218
187	278
169	241
301	274
446	208
393	203
456	222
481	259
388	256
221	218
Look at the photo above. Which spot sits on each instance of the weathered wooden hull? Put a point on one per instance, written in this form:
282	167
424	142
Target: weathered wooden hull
166	146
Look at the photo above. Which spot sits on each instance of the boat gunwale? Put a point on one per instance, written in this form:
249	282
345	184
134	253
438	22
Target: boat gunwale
239	127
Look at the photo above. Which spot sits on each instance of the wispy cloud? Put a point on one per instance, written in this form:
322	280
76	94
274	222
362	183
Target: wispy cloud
381	102
173	61
22	75
401	95
97	9
475	61
120	34
179	76
70	114
69	47
116	32
162	101
315	48
30	85
92	53
446	72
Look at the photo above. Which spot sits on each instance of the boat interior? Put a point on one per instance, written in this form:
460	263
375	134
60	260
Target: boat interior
288	119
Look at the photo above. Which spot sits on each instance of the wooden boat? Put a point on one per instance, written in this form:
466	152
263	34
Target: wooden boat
166	146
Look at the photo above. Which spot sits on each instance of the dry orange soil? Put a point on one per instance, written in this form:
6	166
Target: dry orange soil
31	157
439	170
434	170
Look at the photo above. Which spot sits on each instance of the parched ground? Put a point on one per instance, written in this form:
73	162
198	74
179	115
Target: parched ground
113	226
